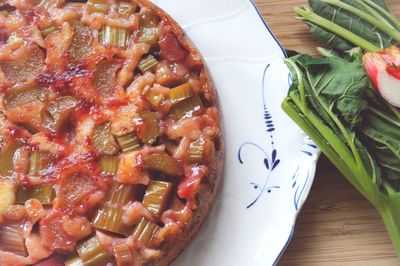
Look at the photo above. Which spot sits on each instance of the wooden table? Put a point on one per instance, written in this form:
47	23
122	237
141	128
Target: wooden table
337	226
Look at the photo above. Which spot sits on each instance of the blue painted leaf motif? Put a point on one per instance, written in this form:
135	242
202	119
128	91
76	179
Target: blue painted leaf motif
266	163
270	162
274	156
268	121
276	163
307	153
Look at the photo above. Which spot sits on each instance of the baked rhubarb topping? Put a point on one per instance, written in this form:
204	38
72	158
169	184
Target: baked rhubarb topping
109	126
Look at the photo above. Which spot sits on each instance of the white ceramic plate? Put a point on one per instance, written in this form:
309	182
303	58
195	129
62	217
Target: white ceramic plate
269	164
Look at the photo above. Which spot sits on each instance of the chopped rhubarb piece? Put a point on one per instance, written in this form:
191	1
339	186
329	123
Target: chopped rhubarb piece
26	67
383	69
171	48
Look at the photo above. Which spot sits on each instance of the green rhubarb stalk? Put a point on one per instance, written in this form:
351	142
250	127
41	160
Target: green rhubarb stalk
388	208
386	204
373	12
329	143
364	175
307	14
300	119
331	100
303	106
331	115
342	129
367	17
387	14
345	154
341	148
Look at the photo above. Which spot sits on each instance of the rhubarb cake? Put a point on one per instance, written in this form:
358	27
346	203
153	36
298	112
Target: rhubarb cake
110	138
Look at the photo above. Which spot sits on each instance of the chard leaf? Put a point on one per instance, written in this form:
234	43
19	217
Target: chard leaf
351	22
334	85
370	163
332	100
381	133
301	61
328	37
350	107
384	148
334	88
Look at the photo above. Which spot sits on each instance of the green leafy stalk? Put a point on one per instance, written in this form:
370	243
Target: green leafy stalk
353	127
345	24
316	135
391	217
329	38
325	52
303	105
385	12
387	206
367	17
348	150
351	22
307	14
326	132
373	12
330	144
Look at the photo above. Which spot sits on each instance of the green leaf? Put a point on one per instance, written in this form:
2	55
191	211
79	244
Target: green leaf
334	85
351	22
332	101
335	88
328	37
381	133
350	108
307	14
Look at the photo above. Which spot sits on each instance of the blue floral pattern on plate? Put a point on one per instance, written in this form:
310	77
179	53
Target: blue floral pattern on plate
271	162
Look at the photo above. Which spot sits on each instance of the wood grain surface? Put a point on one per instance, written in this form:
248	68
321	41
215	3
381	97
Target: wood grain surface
337	226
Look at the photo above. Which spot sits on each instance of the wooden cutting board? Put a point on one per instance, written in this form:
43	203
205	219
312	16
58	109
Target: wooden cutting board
337	226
